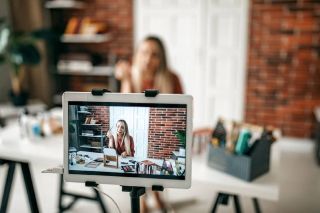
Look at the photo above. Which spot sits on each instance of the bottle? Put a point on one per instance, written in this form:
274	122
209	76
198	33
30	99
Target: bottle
164	167
242	145
23	123
219	134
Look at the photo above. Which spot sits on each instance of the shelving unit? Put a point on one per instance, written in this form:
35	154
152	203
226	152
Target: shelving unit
85	139
78	57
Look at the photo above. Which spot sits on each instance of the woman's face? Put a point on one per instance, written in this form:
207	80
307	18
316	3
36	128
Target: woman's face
120	128
149	56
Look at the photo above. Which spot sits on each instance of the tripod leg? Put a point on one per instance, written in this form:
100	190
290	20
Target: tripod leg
61	192
7	187
29	186
135	194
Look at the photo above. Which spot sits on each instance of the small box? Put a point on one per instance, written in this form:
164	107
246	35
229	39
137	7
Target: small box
246	167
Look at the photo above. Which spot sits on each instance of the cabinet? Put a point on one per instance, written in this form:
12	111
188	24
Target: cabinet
91	137
79	58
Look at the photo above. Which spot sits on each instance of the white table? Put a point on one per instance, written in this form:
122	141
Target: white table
8	110
265	187
12	147
15	150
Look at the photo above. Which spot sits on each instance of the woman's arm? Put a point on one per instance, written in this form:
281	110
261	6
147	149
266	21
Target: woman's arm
111	143
123	74
131	146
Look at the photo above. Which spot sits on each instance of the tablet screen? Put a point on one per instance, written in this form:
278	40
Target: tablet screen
127	139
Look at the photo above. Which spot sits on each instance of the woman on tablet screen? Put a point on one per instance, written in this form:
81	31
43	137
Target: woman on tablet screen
149	70
122	142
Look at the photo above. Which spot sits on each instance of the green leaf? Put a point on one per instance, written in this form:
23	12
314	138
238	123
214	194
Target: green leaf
26	54
181	135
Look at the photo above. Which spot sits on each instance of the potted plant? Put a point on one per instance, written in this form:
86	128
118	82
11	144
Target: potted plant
181	135
19	51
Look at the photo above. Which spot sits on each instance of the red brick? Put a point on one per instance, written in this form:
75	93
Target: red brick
283	75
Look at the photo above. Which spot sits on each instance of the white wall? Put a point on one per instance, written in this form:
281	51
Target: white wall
206	45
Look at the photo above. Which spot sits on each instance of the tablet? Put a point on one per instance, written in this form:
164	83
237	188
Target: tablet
128	139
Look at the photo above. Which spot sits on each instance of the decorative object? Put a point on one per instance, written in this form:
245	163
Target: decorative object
19	50
181	135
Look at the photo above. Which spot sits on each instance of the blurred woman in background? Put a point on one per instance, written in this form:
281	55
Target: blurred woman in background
149	70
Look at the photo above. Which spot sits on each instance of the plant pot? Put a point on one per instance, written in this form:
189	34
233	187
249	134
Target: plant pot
20	99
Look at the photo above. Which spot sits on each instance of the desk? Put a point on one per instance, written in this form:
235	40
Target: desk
123	162
265	187
8	110
13	148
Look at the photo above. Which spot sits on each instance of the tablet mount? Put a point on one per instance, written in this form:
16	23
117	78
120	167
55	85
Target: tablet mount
135	191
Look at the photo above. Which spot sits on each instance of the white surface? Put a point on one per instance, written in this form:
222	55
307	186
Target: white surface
265	187
13	147
50	150
9	110
130	98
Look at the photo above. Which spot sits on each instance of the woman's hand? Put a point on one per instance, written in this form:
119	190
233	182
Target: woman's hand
109	135
122	70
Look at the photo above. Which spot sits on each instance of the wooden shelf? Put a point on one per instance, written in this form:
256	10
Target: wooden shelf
92	136
96	71
84	112
64	4
79	38
90	147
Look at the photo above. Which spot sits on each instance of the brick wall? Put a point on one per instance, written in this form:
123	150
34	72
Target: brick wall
283	82
163	123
